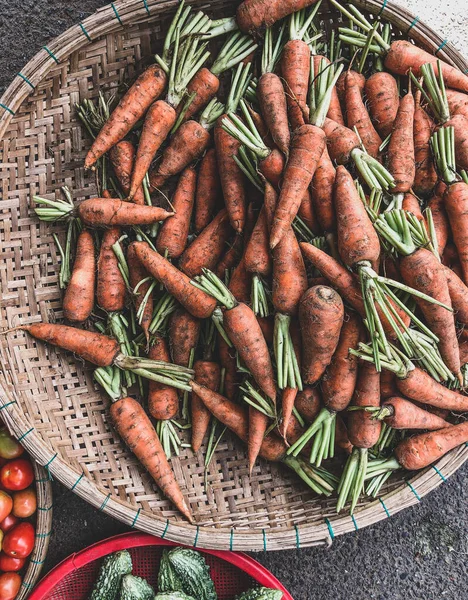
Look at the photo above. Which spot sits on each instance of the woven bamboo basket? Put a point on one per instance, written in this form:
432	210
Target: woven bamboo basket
43	529
49	397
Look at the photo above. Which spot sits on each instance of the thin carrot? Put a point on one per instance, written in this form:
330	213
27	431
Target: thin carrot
207	374
257	256
399	413
146	89
122	157
358	117
137	275
110	283
322	193
273	105
104	212
184	330
295	69
341	90
418	385
78	301
363	430
456	205
136	430
208	190
439	217
240	282
401	153
458	295
227	358
163	401
288	399
383	98
426	175
231	257
289	275
306	212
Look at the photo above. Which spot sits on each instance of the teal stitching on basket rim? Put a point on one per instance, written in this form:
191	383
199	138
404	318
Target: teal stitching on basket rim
330	529
384	4
441	45
165	530
414	22
43	480
106	500
116	13
77	481
231	540
137	514
27	584
264	540
45	508
24	78
13	401
43	535
46	466
195	541
21	437
37	562
387	512
441	475
146	6
418	497
353	519
83	29
298	537
51	54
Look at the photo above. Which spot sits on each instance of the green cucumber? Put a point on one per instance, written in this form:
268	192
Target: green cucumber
261	593
135	588
173	596
113	568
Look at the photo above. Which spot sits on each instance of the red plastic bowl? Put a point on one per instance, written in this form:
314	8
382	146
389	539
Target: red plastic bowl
73	579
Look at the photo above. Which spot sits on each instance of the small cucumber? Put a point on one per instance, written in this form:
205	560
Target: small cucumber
173	596
110	576
193	573
135	588
168	581
261	593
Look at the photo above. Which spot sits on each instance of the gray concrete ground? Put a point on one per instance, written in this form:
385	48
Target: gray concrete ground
420	553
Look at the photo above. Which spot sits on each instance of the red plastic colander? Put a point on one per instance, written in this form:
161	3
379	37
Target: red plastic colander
73	579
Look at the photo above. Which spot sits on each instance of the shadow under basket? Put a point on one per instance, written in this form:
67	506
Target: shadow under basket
49	397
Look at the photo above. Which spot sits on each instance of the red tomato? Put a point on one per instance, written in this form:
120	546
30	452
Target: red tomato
6	504
9	447
10	584
8	523
17	474
19	541
9	563
24	503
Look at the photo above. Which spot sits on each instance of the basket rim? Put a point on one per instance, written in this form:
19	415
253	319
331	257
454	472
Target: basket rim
110	19
135	540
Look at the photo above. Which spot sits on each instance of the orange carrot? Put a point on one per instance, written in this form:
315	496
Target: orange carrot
420	386
146	89
158	123
253	15
341	90
334	110
240	282
358	117
307	403
456	205
136	430
258	424
289	275
104	212
363	430
198	303
458	295
205	84
122	157
272	99
208	190
341	141
322	193
439	217
288	399
388	386
411	204
403	414
306	212
307	146
78	301
163	400
207	374
426	175
295	69
257	257
138	273
383	98
227	358
208	247
231	257
401	158
184	331
110	283
173	235
460	123
458	102
341	436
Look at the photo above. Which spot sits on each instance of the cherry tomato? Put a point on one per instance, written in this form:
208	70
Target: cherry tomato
9	563
6	504
9	447
24	503
19	541
8	523
10	584
17	474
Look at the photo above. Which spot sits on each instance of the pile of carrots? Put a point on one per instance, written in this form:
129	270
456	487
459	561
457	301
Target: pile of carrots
288	260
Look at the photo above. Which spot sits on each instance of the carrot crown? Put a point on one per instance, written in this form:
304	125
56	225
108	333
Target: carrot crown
55	210
403	231
318	479
247	133
443	149
321	88
359	37
237	47
239	83
302	27
272	47
433	90
259	401
212	285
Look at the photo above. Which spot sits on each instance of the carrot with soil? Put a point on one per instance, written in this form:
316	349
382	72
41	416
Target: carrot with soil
122	157
208	191
400	413
78	301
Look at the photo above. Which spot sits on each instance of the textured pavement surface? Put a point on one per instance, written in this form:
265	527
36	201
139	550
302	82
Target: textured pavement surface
419	553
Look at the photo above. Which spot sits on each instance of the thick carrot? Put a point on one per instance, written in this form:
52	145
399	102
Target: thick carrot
289	275
307	403
173	234
339	379
158	123
205	85
122	157
207	374
272	99
136	430
460	123
184	331
403	414
94	347
232	178
322	193
208	190
307	145
295	69
358	117
458	102
450	256
110	283
422	271
106	212
404	56
341	90
383	99
458	295
388	387
272	167
357	238
426	175
419	385
146	89
422	450
231	257
138	273
257	257
240	282
208	247
227	358
411	204
197	302
253	16
321	315
187	144
341	141
401	157
439	217
163	400
78	301
456	205
363	430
